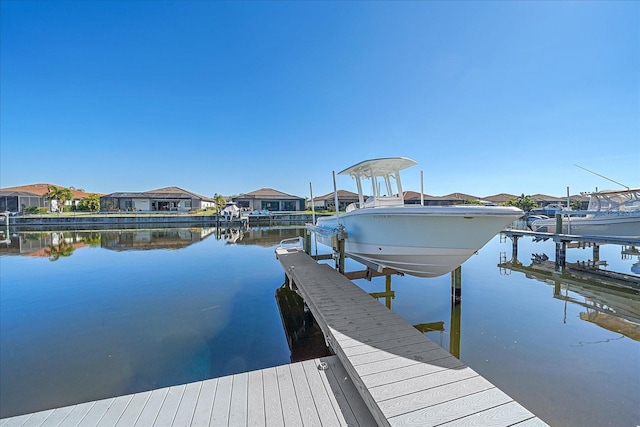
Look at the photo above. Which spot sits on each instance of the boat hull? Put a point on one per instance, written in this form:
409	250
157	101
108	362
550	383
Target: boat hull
423	241
598	225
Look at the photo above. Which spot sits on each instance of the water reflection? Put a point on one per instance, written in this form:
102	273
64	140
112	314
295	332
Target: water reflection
611	299
261	236
59	244
304	336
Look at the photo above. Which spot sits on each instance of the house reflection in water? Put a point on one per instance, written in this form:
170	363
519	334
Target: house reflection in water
166	238
54	243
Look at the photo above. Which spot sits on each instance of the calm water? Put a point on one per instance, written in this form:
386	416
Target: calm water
90	315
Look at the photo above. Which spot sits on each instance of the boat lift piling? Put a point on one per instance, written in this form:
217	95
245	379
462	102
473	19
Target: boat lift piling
566	241
456	286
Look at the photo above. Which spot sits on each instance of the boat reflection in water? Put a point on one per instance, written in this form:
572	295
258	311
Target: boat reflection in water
260	236
611	300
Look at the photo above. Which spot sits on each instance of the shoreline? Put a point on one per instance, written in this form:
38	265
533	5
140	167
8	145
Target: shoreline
146	219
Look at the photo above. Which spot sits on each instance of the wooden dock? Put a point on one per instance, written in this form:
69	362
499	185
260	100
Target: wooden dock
312	393
404	378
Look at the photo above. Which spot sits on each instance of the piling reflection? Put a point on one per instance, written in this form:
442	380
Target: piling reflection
611	299
438	326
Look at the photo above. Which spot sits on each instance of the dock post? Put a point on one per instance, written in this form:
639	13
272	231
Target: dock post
558	223
596	254
307	242
456	286
514	247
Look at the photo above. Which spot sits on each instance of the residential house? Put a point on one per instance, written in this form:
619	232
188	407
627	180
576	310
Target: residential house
499	199
413	198
268	199
543	200
328	201
456	199
168	199
17	199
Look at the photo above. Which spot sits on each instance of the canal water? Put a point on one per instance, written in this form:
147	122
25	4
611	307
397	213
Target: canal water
96	314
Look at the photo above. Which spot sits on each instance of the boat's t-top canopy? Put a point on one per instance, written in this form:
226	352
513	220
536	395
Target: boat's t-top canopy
385	179
615	200
373	167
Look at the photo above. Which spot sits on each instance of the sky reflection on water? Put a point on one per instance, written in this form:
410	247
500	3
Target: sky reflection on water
127	311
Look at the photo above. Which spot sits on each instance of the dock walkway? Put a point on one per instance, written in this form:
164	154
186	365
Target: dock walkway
298	394
404	378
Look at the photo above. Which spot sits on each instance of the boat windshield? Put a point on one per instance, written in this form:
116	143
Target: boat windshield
386	185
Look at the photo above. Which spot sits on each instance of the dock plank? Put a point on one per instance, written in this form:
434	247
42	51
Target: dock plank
97	411
187	406
452	410
114	411
170	406
152	407
255	394
134	409
238	406
222	402
38	418
204	403
329	415
298	394
507	414
18	421
308	412
77	414
421	383
57	416
290	411
272	404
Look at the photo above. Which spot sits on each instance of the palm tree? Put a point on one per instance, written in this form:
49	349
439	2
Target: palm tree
91	203
60	194
526	203
220	202
64	249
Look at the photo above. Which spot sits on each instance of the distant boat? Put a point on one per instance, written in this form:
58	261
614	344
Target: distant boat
533	217
611	213
548	210
424	241
231	211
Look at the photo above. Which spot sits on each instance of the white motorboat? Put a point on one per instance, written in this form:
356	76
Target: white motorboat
424	241
611	213
231	211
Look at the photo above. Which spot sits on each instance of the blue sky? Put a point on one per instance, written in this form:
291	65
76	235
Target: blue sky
230	97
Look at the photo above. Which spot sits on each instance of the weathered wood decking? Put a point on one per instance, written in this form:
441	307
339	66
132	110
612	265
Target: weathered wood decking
294	395
404	378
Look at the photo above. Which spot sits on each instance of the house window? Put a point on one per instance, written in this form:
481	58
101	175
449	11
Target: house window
187	204
270	206
289	206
